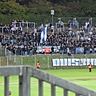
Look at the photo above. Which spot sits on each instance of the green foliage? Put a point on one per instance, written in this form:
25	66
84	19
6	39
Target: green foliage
39	10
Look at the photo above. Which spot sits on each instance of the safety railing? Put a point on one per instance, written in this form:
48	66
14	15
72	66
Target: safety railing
25	73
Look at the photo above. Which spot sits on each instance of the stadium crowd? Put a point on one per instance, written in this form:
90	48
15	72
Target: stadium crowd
73	38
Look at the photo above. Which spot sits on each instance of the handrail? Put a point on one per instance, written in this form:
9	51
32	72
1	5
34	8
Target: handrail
26	72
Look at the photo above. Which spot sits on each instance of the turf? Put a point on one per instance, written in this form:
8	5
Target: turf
79	76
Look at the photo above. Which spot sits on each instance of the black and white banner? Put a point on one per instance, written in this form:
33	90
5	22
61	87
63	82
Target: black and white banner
73	62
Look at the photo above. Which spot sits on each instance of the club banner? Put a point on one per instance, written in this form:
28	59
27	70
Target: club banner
73	62
47	50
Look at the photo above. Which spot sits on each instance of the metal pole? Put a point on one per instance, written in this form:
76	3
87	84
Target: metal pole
21	60
52	13
48	60
2	30
7	60
27	25
52	20
15	57
35	59
34	25
0	61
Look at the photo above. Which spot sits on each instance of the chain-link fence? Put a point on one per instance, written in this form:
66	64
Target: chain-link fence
46	60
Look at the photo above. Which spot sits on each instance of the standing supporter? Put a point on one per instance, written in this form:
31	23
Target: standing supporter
38	65
90	67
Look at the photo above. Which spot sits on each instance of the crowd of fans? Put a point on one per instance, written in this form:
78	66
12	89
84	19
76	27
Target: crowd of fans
70	37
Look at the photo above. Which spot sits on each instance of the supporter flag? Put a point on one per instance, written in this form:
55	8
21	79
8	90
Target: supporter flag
45	33
86	25
42	33
42	36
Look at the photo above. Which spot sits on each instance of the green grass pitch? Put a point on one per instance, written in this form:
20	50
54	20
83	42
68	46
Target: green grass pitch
79	76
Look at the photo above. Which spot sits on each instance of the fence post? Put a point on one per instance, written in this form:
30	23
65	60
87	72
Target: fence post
21	60
24	82
35	58
65	92
40	86
48	57
6	85
53	90
7	60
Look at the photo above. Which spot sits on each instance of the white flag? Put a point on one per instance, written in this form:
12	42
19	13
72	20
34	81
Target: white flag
42	36
45	33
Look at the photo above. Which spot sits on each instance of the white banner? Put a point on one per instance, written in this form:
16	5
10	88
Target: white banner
73	62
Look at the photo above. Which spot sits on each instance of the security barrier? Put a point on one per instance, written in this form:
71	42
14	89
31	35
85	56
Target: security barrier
25	73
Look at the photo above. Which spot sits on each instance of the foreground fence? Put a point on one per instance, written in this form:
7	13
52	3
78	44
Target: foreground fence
25	73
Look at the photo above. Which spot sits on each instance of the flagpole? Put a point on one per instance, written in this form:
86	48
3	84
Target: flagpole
52	14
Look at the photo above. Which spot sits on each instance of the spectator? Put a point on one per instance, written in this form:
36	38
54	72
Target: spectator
38	65
21	42
90	67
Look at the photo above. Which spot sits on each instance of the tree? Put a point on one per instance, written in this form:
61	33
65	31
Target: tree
23	2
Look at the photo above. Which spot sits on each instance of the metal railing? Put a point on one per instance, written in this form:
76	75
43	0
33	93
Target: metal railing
25	73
